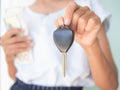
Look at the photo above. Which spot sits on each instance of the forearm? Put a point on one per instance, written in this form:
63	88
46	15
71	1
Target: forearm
11	68
102	71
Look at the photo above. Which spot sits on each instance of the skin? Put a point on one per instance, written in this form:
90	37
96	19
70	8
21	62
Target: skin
14	45
89	33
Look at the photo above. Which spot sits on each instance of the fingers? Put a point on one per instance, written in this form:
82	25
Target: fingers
70	9
59	22
80	19
9	34
94	23
15	45
83	21
14	49
77	14
20	45
66	19
12	32
18	40
0	41
72	13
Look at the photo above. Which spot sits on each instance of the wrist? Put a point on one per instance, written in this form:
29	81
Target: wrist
9	60
91	46
9	57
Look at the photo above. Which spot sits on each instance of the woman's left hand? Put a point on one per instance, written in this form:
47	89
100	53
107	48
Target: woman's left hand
84	22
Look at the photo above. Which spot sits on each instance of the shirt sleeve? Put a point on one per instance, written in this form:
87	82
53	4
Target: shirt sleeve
102	12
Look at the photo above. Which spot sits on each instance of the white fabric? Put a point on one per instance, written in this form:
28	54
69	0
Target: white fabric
46	68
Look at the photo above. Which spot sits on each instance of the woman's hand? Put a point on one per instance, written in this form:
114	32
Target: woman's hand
84	22
13	45
90	34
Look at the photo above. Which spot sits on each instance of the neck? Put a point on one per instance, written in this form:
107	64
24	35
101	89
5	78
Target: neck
46	2
38	1
48	6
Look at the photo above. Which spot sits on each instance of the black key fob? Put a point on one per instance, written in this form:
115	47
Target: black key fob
63	38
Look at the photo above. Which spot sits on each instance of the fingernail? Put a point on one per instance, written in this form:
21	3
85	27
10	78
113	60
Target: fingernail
21	30
28	48
62	23
29	37
67	22
31	44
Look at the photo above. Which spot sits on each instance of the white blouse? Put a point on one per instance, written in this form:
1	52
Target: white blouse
46	68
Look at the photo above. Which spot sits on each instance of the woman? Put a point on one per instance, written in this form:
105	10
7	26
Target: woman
89	59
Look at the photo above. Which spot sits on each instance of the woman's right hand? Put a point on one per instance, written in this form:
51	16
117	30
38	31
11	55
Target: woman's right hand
13	45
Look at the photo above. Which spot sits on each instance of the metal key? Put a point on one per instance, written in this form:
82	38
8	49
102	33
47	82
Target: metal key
63	38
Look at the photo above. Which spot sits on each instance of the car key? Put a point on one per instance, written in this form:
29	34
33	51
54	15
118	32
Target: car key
63	38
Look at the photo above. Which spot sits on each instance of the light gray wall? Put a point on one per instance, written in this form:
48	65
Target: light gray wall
114	33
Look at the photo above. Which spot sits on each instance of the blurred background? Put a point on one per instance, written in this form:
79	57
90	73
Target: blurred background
113	36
